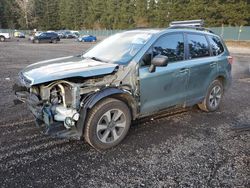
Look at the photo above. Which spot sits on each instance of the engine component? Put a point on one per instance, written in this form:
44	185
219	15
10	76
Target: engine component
63	94
68	115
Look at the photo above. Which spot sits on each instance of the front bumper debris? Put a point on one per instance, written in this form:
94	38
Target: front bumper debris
44	116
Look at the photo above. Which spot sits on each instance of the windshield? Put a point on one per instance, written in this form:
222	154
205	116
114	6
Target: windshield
119	48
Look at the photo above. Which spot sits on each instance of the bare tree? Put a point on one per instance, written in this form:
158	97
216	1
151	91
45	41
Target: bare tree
26	6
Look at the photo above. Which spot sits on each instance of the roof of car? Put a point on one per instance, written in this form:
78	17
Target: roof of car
171	30
145	30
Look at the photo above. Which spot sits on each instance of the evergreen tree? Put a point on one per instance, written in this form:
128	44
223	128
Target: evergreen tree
119	14
141	13
9	14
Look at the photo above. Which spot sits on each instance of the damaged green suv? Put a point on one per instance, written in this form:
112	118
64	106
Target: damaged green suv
126	76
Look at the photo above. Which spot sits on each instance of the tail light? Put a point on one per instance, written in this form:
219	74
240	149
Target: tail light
230	59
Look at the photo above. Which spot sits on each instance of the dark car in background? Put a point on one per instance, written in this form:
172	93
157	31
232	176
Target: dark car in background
45	37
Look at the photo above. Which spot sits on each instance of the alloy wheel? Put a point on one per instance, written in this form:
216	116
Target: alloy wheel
215	96
111	126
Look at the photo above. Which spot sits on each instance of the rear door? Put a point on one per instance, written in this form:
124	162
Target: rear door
167	85
44	37
203	67
221	55
51	36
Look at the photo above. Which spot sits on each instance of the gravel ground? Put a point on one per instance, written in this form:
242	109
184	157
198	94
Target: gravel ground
185	149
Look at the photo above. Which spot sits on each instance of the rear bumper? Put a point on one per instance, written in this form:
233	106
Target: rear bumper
228	81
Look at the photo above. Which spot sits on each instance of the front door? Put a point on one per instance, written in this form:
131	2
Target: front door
167	85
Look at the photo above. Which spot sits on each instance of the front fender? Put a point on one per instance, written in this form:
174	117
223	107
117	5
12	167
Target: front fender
104	93
93	98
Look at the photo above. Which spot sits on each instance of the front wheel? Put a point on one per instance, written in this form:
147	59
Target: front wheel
2	39
213	97
107	124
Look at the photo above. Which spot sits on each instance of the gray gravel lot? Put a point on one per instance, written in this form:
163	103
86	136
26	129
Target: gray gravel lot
184	149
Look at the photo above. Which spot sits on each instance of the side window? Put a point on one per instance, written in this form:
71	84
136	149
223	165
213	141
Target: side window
216	45
198	46
171	45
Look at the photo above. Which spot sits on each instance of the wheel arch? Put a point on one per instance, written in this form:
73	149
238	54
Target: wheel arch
222	79
117	93
225	79
92	99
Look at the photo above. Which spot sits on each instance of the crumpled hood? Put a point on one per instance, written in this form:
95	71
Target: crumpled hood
61	68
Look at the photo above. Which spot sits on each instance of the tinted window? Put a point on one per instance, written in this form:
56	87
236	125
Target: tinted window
42	35
198	46
216	45
171	46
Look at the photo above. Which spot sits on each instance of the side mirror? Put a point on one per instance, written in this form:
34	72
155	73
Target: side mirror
158	61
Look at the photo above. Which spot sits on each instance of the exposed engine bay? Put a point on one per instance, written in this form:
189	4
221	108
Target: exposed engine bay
61	101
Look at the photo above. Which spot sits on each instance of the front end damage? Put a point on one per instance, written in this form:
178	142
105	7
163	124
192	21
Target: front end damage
53	105
60	107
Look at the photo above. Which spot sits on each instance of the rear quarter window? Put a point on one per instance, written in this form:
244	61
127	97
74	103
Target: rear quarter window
216	45
198	46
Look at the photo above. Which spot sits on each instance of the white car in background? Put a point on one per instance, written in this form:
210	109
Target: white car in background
4	36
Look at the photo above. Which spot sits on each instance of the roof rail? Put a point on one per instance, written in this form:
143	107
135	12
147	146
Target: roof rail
194	23
192	27
189	24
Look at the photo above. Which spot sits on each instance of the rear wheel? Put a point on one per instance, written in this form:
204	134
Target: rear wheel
107	124
54	41
36	41
2	39
213	97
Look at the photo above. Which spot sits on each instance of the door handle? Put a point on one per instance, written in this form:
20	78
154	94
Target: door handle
184	70
212	65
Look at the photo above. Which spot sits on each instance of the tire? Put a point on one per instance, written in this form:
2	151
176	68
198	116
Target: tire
213	97
36	41
104	129
54	41
2	39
